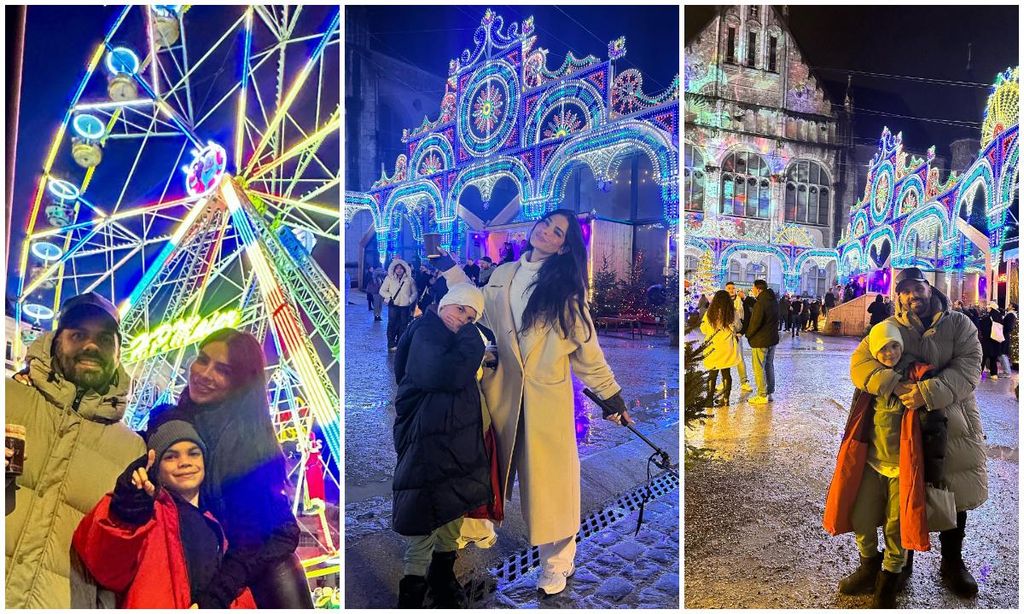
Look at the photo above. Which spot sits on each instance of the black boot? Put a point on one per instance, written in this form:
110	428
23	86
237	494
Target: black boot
444	586
954	572
411	592
908	568
885	590
862	580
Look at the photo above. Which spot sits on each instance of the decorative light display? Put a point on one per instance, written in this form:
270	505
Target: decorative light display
170	253
207	167
178	334
504	114
1003	107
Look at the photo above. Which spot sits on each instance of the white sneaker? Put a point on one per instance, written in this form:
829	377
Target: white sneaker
553	582
758	400
995	377
746	387
770	398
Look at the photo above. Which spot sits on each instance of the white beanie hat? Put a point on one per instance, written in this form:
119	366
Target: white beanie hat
466	294
881	334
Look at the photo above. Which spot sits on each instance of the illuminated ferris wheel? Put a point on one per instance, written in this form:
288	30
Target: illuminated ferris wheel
194	181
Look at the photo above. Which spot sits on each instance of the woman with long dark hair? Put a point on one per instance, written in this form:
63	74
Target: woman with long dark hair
226	402
719	327
537	308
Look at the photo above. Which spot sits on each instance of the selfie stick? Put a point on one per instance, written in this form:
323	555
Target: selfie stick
664	463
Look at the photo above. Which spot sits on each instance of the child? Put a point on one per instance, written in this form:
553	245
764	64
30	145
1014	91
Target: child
153	544
880	472
443	470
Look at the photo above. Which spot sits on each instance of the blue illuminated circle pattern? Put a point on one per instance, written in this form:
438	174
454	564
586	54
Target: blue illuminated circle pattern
37	311
206	169
44	250
88	127
122	60
62	190
488	108
881	192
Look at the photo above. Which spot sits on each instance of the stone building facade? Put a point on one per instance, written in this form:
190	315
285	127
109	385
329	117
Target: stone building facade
766	155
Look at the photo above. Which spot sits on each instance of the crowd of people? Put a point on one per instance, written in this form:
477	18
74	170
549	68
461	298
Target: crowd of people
192	512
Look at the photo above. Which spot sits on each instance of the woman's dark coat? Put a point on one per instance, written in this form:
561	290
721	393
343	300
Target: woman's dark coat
443	471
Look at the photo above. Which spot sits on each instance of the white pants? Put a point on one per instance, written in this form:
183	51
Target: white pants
557	557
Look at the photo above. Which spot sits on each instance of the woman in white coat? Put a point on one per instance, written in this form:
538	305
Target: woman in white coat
537	308
399	294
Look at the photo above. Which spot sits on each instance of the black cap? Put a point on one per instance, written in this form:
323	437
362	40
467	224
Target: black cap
78	306
488	259
911	274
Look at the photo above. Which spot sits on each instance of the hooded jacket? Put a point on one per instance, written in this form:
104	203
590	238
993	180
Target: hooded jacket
403	291
75	447
145	564
443	470
949	343
852	459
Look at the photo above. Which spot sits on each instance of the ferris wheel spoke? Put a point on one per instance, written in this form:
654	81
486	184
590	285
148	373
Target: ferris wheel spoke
293	91
302	148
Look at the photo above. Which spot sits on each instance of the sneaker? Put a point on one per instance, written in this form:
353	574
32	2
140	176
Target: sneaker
393	349
745	387
720	387
995	377
758	400
553	582
770	398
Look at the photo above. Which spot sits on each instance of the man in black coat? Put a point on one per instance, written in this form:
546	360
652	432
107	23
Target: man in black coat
784	315
763	335
830	302
815	312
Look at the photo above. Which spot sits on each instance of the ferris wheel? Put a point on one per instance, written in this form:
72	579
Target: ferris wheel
194	181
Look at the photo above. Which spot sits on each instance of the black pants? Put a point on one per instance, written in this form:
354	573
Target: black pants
726	391
993	364
282	585
814	322
952	540
369	300
398	319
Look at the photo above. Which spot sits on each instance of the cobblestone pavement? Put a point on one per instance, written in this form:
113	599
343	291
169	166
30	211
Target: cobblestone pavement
647	369
753	511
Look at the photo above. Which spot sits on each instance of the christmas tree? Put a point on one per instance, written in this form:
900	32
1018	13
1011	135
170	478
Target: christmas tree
633	299
704	279
604	301
670	310
696	395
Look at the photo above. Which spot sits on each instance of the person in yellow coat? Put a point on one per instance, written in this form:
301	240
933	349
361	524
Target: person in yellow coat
537	308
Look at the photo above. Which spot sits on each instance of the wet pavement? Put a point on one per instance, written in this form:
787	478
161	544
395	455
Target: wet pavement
753	511
647	369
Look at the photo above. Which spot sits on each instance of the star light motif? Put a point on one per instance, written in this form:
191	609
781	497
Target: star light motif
562	124
487	109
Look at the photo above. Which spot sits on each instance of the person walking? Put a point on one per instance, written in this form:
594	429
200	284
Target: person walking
1009	328
737	299
763	336
376	280
399	292
990	348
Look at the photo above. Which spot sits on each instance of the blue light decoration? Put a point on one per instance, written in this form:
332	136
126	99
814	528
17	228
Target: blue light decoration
122	61
64	191
205	171
505	114
38	312
46	251
88	127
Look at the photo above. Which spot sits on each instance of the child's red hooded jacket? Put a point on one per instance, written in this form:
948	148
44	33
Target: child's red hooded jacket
145	565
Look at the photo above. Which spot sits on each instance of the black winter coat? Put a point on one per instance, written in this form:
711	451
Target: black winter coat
1009	325
763	331
443	471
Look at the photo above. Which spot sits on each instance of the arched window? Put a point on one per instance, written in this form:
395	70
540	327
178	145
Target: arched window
693	178
808	195
735	272
815	281
746	189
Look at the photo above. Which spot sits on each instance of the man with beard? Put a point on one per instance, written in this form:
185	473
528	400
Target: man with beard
947	340
70	400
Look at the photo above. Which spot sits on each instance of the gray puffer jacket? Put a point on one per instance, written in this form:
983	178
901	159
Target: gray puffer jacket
949	343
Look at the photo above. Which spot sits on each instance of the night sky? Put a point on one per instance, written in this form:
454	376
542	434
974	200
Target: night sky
429	36
920	41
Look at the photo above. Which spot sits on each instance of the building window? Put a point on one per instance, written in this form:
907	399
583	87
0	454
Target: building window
773	56
807	194
746	189
693	178
735	272
756	271
730	46
751	49
816	282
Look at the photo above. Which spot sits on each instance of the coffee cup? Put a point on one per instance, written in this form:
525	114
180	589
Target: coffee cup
432	244
14	438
